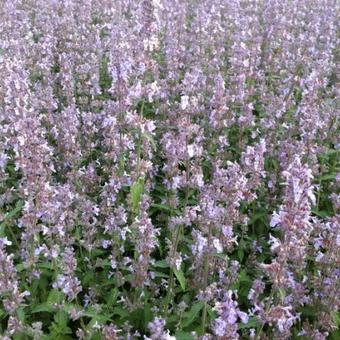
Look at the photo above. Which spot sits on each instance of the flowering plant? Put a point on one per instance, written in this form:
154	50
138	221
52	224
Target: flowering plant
169	169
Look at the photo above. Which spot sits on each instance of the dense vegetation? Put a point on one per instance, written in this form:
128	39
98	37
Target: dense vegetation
169	169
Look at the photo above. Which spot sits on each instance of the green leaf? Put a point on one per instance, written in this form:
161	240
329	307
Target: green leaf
96	336
256	217
121	312
327	177
172	320
89	277
61	318
191	315
240	254
162	207
150	138
273	76
10	215
21	314
282	293
55	296
19	336
160	274
147	314
252	323
56	335
128	278
16	210
161	264
243	277
240	249
332	152
211	312
43	307
183	336
112	297
99	319
221	256
336	317
67	307
308	311
335	335
20	267
180	277
137	318
136	193
47	265
320	213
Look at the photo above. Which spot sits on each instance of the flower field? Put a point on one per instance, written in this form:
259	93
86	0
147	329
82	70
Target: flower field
169	169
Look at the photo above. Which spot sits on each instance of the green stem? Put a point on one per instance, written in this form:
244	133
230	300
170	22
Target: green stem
258	336
139	156
205	281
13	236
81	318
139	145
176	242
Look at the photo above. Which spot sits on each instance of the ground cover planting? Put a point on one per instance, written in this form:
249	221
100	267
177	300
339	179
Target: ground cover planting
169	169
